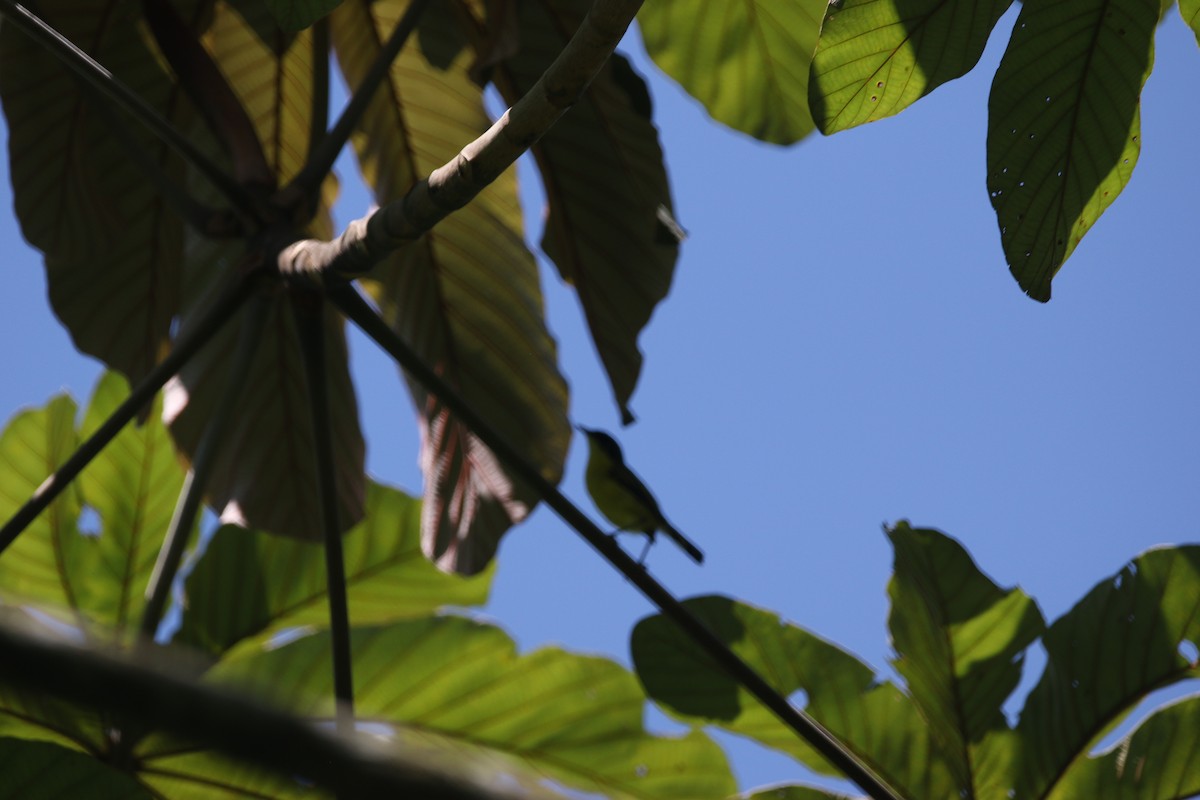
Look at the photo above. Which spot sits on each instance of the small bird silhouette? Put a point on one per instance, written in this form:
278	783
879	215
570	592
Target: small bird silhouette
623	498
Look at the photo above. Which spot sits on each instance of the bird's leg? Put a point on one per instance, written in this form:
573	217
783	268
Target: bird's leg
645	551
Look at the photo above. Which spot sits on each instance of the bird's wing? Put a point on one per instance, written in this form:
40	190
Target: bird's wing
638	491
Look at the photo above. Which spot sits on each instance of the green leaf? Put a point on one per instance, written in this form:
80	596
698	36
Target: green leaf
1190	11
466	296
874	719
747	61
795	792
875	58
112	244
250	584
44	771
458	684
133	485
959	639
1120	642
1157	761
293	15
1063	126
609	227
42	567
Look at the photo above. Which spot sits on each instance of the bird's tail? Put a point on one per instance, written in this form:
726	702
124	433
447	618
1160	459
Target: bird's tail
695	553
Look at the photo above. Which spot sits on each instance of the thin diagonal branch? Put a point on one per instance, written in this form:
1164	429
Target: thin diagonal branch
359	311
183	521
140	687
186	346
309	309
320	161
451	186
103	80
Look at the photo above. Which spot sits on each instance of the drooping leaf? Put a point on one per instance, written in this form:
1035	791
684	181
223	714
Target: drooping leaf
466	296
45	771
873	718
877	57
293	15
1190	11
132	485
609	227
795	792
459	684
112	245
1064	125
251	585
1120	642
959	640
1157	761
747	61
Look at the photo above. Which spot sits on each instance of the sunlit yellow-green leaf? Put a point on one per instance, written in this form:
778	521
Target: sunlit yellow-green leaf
960	643
112	245
466	296
877	57
1190	11
1063	126
459	684
747	61
1123	640
873	718
609	227
248	584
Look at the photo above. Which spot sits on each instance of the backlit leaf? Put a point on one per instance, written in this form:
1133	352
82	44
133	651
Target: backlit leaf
466	296
609	227
1064	125
747	61
877	57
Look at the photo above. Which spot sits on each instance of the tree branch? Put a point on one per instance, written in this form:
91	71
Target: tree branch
359	311
135	687
451	186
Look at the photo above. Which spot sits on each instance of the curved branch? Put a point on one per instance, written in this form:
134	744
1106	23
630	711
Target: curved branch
453	185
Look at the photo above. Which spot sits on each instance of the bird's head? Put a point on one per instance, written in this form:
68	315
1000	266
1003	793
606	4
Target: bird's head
603	442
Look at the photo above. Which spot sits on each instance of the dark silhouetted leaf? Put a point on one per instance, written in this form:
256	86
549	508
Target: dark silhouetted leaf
294	15
44	771
877	57
1063	126
466	296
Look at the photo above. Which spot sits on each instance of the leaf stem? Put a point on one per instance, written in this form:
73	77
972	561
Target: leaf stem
186	346
183	522
320	160
309	309
360	312
103	80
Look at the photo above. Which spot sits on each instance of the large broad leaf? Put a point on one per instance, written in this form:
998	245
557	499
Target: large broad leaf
1063	126
877	57
746	60
112	245
456	684
795	792
44	771
265	471
1157	761
874	719
248	584
1190	11
294	15
465	296
609	227
1120	642
959	640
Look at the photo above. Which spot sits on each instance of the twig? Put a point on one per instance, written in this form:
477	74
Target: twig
158	591
186	346
359	311
320	160
309	309
99	77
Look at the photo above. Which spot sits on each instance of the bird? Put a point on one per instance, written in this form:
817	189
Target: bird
623	498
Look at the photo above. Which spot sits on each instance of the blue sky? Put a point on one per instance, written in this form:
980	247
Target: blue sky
842	347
